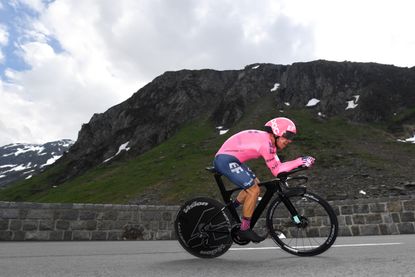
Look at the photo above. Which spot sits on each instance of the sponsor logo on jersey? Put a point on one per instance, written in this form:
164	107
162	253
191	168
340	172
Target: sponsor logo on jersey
235	168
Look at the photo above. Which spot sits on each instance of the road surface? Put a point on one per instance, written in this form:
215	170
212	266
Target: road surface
350	256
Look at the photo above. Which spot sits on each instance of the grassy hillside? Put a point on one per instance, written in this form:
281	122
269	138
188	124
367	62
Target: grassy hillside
349	156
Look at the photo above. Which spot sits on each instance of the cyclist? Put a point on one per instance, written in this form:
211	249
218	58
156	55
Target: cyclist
252	144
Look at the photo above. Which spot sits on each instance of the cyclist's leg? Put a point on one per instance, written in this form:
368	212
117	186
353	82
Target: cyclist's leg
240	174
250	199
242	195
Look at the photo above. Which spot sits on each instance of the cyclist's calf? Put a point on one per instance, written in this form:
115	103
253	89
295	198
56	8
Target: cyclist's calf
249	198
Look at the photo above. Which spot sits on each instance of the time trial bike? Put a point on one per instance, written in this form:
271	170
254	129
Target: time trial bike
300	222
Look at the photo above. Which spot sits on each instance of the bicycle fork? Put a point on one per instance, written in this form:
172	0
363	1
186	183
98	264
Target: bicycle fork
296	218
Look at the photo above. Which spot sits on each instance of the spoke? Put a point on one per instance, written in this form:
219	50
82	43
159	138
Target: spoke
300	237
318	243
311	244
310	235
296	241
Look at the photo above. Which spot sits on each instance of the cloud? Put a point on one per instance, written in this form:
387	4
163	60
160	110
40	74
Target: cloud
361	31
56	96
146	38
4	35
64	60
4	39
15	115
35	5
208	34
86	56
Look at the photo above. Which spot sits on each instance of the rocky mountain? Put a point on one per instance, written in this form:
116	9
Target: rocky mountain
351	116
22	161
361	92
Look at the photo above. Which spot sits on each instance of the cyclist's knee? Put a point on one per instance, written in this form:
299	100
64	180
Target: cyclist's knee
254	190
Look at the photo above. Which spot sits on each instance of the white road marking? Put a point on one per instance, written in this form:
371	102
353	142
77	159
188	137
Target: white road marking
368	244
337	245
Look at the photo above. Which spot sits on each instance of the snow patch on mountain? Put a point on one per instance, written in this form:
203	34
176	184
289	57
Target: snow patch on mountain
411	140
312	102
123	147
276	86
353	103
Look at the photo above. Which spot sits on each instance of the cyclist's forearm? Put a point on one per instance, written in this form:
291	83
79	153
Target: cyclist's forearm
286	166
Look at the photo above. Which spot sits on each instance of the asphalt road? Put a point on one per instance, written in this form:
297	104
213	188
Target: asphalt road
350	256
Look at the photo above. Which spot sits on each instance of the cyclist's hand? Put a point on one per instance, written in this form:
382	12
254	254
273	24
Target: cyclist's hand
308	161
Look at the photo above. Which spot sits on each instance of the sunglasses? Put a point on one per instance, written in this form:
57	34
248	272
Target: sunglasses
288	135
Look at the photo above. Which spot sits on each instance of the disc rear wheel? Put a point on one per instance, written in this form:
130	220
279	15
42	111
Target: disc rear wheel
203	228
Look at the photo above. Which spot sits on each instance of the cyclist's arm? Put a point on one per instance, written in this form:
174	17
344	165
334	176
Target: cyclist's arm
276	166
268	152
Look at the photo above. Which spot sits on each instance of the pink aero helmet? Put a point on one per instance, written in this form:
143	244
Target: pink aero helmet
281	127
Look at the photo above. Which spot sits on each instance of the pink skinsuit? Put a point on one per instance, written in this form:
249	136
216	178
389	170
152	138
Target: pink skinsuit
252	144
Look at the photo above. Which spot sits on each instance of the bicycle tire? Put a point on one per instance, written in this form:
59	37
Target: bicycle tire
311	233
203	228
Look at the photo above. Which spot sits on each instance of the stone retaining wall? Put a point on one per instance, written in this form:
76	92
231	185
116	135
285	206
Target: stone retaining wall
36	221
385	216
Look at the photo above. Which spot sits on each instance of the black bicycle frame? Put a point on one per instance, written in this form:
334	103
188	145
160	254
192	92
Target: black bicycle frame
272	187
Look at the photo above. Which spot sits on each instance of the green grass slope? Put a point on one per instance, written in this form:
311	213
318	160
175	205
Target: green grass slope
349	157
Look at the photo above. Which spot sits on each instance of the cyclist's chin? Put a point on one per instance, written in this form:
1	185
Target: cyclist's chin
280	146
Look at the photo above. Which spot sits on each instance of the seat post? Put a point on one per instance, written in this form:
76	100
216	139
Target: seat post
225	194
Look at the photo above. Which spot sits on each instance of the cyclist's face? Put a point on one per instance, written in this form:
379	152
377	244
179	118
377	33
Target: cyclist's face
282	143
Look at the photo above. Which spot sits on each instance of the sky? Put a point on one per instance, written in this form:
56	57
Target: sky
62	61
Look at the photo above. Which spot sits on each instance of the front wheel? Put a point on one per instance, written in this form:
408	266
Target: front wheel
203	228
310	232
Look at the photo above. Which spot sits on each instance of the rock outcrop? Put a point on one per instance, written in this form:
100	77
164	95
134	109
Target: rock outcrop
153	114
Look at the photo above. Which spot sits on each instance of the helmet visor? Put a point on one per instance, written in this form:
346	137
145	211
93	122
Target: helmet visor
288	135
